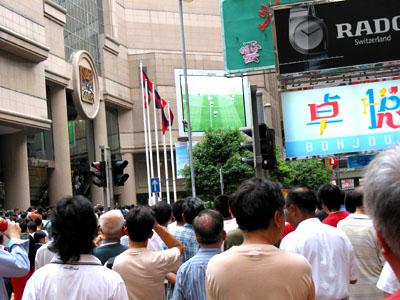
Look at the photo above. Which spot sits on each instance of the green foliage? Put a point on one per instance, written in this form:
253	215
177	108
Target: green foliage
311	173
218	149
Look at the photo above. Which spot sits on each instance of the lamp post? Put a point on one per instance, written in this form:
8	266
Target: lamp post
189	125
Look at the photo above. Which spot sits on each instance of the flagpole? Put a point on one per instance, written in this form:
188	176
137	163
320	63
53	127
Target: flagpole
149	139
172	154
156	136
166	170
145	130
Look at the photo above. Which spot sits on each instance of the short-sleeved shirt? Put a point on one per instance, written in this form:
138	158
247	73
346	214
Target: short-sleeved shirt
191	278
185	234
388	281
259	272
87	279
330	254
361	233
143	271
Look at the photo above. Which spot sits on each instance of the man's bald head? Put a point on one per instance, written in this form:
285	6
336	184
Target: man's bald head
111	224
209	227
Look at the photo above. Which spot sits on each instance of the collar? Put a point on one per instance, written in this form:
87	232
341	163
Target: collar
308	221
187	225
106	243
209	250
84	259
359	216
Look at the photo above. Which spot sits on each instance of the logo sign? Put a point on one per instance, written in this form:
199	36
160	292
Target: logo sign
86	84
335	34
247	34
359	161
344	119
155	185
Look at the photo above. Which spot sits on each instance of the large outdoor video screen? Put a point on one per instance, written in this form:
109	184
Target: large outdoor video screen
216	102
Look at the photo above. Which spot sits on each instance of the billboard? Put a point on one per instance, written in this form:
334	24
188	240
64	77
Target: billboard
334	34
216	102
353	118
182	157
247	34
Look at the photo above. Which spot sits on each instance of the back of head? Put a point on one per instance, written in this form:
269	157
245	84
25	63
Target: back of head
32	226
163	212
191	207
140	222
331	196
209	227
177	210
74	228
38	235
304	199
111	224
255	202
221	204
354	199
382	196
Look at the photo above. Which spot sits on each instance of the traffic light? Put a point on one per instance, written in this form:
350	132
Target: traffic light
118	167
267	146
100	175
248	146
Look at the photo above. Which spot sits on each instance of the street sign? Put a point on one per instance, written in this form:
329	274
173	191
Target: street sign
155	185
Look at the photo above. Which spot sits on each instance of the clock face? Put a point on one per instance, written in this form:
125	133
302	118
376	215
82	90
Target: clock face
308	35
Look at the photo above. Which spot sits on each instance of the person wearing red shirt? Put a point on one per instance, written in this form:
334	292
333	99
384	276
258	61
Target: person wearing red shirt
382	203
332	199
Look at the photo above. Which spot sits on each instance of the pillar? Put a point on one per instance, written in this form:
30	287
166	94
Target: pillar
60	183
15	169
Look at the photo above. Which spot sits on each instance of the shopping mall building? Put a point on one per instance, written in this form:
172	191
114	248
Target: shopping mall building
51	129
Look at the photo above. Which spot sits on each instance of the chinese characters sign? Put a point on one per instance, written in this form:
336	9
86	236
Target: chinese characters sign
247	34
86	84
342	119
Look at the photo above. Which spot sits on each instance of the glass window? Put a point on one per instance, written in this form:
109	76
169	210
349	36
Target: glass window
83	26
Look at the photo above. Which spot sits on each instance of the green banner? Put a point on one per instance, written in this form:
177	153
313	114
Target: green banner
247	34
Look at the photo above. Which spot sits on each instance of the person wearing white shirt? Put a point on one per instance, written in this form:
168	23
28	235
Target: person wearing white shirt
326	248
75	273
221	204
388	282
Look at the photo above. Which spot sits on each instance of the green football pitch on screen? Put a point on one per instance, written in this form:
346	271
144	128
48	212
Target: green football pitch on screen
216	103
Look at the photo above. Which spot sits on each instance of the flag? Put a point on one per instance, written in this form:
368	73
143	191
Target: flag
149	88
164	122
160	103
171	117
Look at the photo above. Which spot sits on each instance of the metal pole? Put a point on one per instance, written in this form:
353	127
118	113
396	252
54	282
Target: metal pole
105	189
156	138
221	180
256	133
110	183
189	125
172	155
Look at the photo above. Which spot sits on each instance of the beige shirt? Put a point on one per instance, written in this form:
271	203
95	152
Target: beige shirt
143	271
259	272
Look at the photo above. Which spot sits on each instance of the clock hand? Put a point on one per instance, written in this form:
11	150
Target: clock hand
304	32
310	33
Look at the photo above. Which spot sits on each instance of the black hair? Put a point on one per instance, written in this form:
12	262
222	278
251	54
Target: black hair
209	232
38	221
38	235
32	225
140	222
255	202
162	211
353	199
74	227
191	208
177	210
331	196
23	224
221	204
304	198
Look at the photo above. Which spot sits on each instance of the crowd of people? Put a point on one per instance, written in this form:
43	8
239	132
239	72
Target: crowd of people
254	244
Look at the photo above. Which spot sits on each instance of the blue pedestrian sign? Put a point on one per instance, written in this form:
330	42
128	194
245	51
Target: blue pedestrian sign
155	185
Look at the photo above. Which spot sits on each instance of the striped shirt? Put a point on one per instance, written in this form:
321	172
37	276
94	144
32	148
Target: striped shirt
185	234
361	233
191	277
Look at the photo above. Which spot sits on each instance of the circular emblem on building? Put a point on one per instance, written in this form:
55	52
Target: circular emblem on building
86	85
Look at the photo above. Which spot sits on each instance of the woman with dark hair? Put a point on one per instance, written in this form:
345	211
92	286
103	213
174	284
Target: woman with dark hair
74	227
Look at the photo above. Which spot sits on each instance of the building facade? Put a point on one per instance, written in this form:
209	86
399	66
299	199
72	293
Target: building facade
50	131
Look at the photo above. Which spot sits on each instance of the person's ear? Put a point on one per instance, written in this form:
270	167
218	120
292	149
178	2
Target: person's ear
223	235
279	219
385	249
125	230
